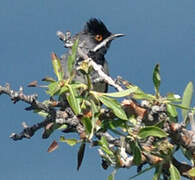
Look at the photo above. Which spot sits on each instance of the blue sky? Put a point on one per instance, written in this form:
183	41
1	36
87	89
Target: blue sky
157	31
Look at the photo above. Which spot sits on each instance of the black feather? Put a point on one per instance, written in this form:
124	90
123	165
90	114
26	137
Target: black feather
95	26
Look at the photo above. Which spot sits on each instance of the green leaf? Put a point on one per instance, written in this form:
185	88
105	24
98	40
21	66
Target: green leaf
95	109
156	78
88	124
113	124
186	99
191	172
172	112
80	155
139	94
64	88
72	57
136	153
174	173
104	146
95	115
143	96
70	142
141	172
41	113
112	175
173	98
182	107
152	131
73	101
57	66
63	126
157	173
53	88
123	93
114	105
186	153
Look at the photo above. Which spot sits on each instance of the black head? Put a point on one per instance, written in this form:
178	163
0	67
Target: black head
97	39
96	29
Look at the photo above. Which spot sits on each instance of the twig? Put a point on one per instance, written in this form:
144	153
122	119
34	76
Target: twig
16	96
28	132
104	76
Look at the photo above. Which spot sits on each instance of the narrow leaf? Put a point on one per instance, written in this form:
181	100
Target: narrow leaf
112	175
54	145
70	142
63	126
64	88
72	57
87	123
187	98
80	155
123	93
174	173
156	78
171	110
182	107
53	88
143	96
48	79
173	98
57	66
152	131
136	153
186	153
157	173
140	95
114	105
141	172
73	101
104	146
41	113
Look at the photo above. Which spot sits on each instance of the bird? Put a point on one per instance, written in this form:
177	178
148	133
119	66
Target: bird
93	33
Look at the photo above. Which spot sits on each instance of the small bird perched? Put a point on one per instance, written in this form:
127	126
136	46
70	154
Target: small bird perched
94	33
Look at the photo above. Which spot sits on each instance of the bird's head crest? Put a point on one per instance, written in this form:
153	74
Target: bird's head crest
96	28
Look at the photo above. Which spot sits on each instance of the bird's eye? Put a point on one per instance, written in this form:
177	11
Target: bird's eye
98	37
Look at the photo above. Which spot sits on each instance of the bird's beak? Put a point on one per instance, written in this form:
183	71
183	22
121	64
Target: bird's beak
113	36
106	41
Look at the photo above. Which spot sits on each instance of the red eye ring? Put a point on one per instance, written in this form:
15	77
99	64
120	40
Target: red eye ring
98	37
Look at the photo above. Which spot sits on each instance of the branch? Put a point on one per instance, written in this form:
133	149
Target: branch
181	136
16	96
28	132
62	117
118	151
104	76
